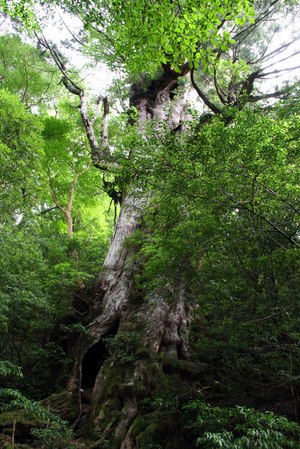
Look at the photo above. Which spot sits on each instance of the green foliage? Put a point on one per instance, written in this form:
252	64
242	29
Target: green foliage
21	149
26	71
49	430
42	268
225	183
56	438
23	300
123	347
8	368
175	32
223	221
19	10
14	400
241	428
67	163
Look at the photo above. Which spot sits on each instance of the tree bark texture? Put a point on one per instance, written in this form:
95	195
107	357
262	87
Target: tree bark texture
142	333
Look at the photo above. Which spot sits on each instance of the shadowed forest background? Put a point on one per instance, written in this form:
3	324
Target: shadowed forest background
149	270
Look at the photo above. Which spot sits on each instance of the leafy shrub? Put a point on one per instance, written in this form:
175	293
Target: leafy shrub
240	428
49	430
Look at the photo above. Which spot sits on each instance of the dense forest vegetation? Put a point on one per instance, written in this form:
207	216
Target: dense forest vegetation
150	235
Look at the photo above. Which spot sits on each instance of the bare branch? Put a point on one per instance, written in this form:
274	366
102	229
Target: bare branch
276	72
70	31
273	193
277	94
49	209
100	156
263	54
280	49
97	113
276	311
56	58
282	60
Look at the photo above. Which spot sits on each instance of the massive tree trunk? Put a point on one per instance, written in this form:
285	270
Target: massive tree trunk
132	342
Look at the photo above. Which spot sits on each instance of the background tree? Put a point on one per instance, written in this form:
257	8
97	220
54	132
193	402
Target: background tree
26	72
39	273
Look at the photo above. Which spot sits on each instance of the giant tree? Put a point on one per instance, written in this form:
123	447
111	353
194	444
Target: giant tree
125	360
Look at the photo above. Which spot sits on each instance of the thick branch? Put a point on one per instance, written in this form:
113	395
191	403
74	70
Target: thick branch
97	113
248	84
72	88
278	71
67	211
282	94
56	201
205	100
72	189
96	152
100	156
104	137
218	90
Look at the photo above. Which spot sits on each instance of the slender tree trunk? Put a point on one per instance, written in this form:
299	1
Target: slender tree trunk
69	223
144	334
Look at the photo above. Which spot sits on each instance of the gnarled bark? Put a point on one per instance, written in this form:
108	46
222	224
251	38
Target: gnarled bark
141	331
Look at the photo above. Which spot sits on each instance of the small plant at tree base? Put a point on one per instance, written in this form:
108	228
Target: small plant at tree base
51	432
53	437
8	368
123	346
241	428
